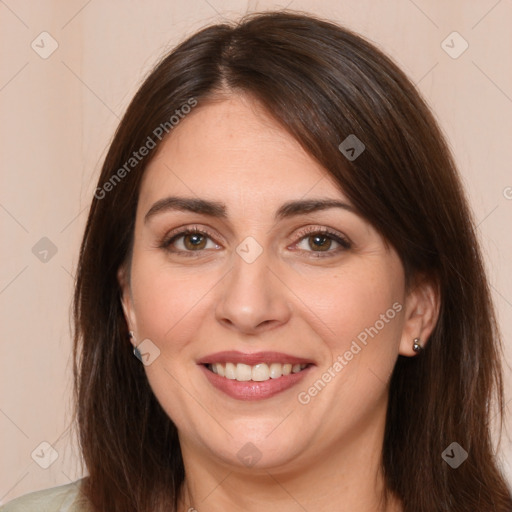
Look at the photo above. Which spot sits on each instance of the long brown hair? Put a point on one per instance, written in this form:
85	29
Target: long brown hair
322	83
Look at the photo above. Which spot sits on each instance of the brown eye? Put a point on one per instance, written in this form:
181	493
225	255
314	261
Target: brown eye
320	242
194	241
189	241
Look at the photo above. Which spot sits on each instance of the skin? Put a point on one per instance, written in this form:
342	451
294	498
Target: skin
314	456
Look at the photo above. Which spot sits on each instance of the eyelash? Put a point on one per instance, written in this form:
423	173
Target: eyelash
173	236
344	243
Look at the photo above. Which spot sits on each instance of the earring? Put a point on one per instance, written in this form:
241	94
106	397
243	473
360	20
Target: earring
416	345
136	351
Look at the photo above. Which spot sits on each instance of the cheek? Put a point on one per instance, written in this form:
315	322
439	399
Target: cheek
351	302
166	302
361	308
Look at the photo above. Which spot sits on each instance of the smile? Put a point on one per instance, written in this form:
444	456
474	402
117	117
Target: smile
258	373
254	376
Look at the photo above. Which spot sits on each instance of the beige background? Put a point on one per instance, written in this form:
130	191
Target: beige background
59	114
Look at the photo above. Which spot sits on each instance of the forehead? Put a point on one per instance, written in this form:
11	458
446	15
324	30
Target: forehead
232	149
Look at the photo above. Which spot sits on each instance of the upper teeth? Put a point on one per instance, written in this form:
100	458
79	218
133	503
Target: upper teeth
258	372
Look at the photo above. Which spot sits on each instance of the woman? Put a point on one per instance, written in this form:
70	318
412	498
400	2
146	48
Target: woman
280	233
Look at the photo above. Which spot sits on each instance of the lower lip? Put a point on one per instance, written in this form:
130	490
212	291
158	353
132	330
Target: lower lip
252	390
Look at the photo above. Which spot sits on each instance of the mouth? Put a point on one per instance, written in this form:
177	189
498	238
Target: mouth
253	376
257	373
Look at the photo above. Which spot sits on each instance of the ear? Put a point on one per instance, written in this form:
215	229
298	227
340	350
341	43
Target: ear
421	314
127	300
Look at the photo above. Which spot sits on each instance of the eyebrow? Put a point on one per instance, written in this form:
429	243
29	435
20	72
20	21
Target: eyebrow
219	210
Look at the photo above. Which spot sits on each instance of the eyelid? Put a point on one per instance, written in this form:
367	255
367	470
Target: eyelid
168	238
295	238
311	230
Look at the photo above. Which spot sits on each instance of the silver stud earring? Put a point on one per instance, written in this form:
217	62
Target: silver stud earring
416	345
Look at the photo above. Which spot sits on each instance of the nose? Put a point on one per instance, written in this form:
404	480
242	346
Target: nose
253	298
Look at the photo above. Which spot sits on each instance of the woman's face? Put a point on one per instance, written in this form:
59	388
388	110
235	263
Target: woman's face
264	279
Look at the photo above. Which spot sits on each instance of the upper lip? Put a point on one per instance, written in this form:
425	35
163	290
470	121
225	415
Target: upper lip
234	356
